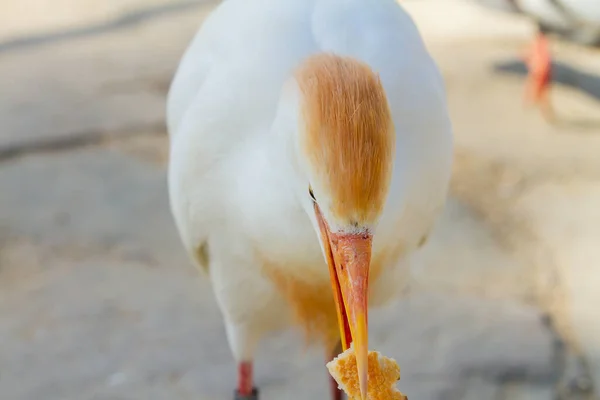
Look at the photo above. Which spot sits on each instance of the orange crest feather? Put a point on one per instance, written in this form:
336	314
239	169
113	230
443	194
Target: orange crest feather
349	136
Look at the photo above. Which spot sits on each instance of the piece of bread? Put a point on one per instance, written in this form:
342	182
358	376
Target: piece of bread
383	373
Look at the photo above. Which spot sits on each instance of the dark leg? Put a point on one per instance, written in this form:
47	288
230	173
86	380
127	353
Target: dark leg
336	394
251	396
246	389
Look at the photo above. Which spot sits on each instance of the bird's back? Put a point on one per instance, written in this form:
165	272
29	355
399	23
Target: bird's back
246	49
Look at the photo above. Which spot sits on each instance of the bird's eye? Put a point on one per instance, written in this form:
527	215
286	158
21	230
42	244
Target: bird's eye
312	195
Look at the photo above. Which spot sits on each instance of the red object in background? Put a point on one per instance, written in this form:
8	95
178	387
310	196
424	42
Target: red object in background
539	64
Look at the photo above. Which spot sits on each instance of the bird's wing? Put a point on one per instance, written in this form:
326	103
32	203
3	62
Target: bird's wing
187	86
227	88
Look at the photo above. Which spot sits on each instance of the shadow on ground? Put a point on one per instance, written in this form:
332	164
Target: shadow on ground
121	22
566	75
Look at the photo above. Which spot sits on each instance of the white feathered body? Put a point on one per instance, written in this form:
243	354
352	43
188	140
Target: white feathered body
231	192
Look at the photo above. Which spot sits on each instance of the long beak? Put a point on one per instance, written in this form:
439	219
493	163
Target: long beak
349	258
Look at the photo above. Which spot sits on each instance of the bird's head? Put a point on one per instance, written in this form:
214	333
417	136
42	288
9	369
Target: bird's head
345	146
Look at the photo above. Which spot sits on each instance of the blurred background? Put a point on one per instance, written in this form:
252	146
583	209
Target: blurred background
98	300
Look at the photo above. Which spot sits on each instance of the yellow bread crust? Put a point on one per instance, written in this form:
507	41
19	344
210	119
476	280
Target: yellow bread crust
383	373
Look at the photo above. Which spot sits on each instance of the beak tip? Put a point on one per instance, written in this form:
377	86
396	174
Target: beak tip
362	364
363	386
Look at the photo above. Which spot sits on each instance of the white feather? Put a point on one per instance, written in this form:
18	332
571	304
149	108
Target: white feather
232	181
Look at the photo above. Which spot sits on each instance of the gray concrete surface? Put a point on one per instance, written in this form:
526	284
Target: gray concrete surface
98	301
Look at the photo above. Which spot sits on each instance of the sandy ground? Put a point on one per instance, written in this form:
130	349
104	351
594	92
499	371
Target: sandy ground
98	301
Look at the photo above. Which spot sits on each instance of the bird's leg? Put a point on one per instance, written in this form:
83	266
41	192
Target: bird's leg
336	393
243	343
245	389
539	66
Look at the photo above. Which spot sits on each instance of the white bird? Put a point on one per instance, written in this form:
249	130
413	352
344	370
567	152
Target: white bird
310	155
577	20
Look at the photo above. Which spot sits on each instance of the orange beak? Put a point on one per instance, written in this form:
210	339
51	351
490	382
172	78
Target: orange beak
349	258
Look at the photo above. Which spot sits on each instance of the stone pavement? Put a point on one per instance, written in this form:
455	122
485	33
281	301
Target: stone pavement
98	301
